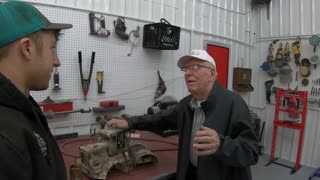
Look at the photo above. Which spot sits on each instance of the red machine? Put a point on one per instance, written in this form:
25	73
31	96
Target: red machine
293	99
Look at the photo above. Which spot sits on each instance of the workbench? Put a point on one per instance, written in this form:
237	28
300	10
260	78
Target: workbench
165	149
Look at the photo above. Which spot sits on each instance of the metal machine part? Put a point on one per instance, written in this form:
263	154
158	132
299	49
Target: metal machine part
113	150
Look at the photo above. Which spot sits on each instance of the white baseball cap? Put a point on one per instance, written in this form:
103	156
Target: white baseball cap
198	54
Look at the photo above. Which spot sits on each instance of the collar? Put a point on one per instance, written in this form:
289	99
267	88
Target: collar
194	103
13	98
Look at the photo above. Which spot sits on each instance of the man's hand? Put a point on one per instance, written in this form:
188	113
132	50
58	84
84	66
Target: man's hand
119	123
206	141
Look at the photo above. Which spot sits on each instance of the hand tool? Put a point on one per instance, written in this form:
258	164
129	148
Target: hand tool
99	78
56	80
296	50
134	39
100	31
85	83
279	62
286	53
161	89
120	28
268	85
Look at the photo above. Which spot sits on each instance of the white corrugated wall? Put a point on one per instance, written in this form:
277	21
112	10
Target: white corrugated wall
224	21
247	30
286	20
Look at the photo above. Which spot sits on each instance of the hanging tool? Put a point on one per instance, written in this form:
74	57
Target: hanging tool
100	31
315	60
99	78
267	65
120	28
56	80
296	50
134	39
268	85
279	62
314	41
270	53
286	53
85	83
161	89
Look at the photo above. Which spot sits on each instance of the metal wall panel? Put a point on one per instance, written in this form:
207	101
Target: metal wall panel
287	19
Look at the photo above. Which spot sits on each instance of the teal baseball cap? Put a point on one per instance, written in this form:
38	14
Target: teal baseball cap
19	19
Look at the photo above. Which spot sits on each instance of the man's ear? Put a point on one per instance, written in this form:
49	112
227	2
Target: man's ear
26	47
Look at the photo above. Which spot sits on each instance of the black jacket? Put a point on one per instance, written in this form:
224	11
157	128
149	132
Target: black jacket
225	112
28	150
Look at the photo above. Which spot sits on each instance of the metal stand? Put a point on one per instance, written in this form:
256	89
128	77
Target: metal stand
293	99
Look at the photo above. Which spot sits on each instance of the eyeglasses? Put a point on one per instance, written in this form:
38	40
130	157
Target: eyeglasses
194	67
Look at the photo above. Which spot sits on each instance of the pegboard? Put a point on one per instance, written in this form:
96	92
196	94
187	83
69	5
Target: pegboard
132	80
306	51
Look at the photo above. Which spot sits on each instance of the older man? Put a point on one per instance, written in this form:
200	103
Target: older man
216	135
28	55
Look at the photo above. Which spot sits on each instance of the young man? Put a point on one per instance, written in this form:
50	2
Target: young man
216	135
28	55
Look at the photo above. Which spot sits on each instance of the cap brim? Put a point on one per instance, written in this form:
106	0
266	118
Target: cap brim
58	26
182	61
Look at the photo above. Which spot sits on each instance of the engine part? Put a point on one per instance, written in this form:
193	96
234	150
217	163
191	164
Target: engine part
113	150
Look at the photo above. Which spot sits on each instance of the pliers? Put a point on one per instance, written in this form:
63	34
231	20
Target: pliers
85	83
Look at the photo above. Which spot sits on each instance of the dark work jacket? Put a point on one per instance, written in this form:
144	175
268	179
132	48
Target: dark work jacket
28	150
225	112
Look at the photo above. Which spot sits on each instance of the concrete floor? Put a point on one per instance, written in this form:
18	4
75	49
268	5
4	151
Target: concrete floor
277	172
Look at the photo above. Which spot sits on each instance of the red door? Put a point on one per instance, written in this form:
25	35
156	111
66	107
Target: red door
221	56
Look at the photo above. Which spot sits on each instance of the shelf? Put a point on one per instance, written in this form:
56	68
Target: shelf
290	111
294	125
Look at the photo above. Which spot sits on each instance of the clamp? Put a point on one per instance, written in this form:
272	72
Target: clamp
85	83
99	78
